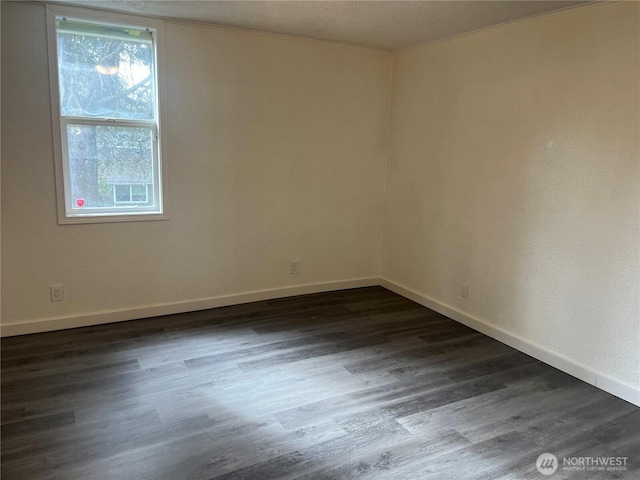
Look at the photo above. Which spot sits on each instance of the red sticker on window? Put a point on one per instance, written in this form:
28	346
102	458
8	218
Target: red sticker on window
80	202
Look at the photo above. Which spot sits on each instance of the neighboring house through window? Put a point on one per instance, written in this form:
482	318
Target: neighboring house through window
128	193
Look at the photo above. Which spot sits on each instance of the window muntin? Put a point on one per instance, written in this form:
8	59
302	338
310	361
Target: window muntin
108	115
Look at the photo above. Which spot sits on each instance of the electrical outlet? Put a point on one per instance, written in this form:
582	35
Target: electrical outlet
294	268
464	290
57	293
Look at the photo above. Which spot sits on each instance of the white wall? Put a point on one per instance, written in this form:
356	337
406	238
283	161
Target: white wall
276	150
514	167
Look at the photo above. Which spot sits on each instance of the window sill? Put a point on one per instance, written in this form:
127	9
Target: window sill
110	218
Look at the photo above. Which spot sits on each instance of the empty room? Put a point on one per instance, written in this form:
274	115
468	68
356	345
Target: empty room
320	240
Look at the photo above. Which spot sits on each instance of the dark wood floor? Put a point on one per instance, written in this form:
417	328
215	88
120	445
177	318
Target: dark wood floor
354	384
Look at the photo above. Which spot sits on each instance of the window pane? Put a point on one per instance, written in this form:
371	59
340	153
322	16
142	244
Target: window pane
104	159
105	72
139	193
123	194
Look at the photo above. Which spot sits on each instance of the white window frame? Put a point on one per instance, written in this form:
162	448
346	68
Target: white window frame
66	213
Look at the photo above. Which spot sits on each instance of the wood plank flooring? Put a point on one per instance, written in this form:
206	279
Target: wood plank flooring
356	384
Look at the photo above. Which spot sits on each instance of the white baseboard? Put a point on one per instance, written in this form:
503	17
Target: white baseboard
614	387
111	316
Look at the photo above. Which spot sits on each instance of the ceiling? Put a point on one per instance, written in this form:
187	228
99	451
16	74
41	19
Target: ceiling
380	24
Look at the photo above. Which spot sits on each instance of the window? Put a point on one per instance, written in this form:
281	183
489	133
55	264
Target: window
138	194
105	105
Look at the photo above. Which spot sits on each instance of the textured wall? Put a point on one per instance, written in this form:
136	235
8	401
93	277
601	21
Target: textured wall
514	167
276	150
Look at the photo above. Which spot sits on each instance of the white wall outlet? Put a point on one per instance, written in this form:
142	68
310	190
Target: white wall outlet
294	268
57	293
464	290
